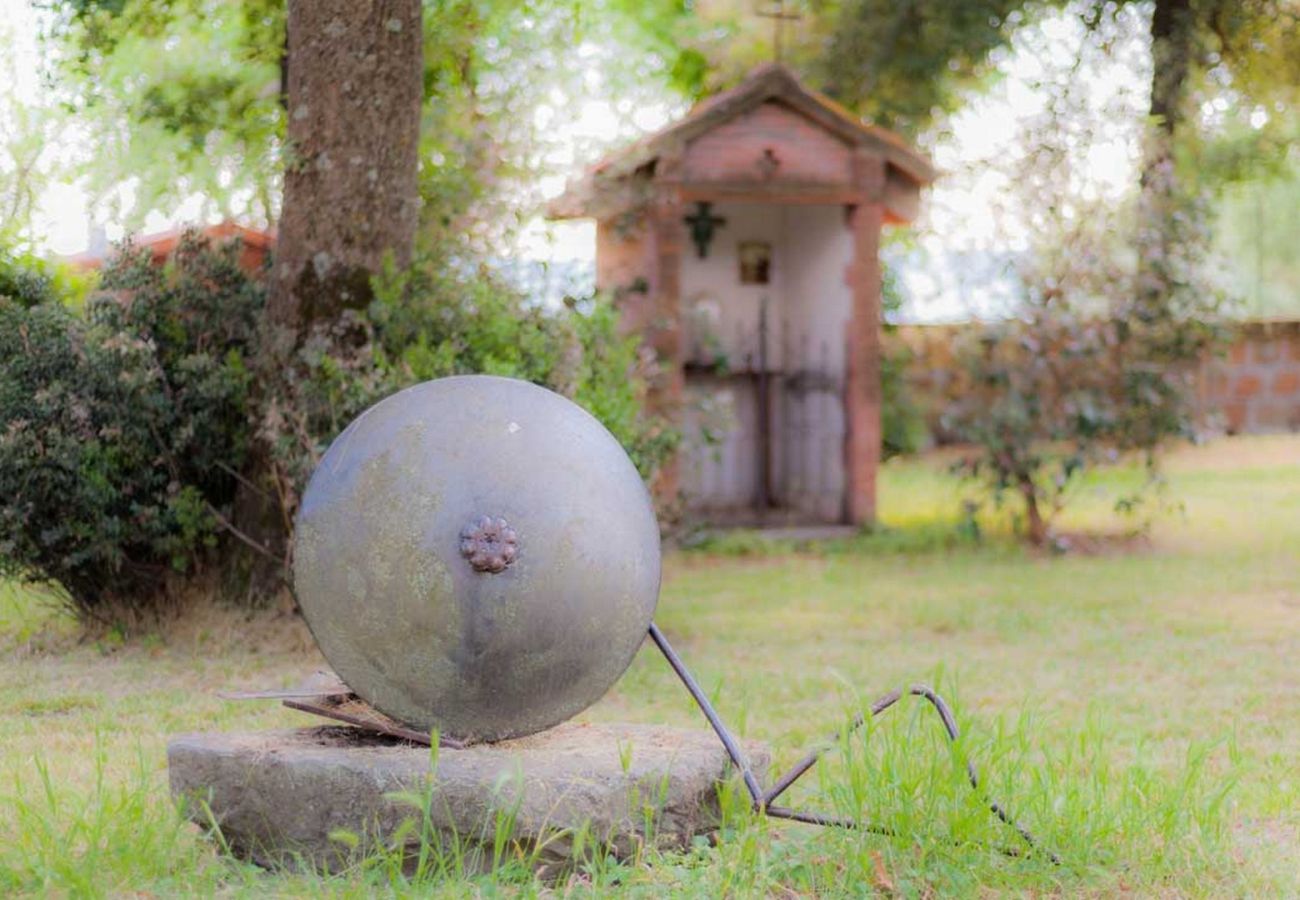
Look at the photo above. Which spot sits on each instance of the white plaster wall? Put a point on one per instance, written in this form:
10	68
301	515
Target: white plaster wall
817	304
713	295
808	308
818	250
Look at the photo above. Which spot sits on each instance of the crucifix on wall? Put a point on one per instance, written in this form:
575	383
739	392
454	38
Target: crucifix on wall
780	16
703	223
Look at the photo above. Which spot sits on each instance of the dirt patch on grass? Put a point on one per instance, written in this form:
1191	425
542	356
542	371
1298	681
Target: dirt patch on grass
1226	454
217	628
1092	543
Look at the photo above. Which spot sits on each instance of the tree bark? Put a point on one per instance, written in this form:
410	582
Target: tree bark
1035	524
355	83
350	185
1172	35
1172	47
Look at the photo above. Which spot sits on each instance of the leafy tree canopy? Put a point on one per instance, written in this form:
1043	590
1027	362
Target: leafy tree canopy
176	99
902	62
185	97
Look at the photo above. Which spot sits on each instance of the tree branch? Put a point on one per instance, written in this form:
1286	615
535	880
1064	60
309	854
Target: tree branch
230	527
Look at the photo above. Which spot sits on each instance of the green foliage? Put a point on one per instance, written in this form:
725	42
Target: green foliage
124	432
26	280
433	321
179	98
1100	361
30	129
1249	54
503	82
897	64
119	431
1116	307
185	97
902	428
612	375
901	63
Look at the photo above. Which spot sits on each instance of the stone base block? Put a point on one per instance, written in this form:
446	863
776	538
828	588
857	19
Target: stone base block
318	797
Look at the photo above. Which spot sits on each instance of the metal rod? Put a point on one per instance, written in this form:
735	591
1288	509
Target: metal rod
794	815
810	818
729	742
972	774
810	759
762	801
766	496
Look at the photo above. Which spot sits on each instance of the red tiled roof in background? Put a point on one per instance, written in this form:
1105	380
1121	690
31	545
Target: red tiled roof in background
256	244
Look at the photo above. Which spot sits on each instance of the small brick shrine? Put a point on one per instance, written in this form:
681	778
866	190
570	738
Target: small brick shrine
742	244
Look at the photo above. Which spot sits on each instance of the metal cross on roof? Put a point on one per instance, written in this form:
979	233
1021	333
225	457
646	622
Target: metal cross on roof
776	11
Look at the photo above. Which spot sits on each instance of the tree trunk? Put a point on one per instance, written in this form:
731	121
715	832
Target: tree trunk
350	184
355	83
1172	36
1171	61
1172	47
1035	524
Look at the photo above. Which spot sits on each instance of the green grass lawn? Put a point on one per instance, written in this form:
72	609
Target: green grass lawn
1138	708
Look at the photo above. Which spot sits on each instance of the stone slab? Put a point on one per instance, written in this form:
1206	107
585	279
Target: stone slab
282	797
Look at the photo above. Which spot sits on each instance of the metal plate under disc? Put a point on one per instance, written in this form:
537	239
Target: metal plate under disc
477	555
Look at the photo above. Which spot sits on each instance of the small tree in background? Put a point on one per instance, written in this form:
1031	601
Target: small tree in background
1117	312
1098	363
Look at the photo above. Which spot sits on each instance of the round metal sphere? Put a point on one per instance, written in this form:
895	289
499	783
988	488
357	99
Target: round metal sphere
477	555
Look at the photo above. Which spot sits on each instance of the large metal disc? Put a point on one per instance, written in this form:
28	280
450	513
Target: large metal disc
477	555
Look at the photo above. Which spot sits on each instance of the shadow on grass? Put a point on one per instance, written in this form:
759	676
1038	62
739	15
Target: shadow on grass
917	536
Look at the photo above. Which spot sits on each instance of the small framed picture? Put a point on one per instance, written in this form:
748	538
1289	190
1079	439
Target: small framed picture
755	262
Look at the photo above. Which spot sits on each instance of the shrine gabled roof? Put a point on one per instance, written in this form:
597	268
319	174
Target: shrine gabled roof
770	82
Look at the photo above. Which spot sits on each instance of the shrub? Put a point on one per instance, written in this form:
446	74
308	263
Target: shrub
436	319
25	280
1100	361
128	432
902	428
433	321
120	432
28	280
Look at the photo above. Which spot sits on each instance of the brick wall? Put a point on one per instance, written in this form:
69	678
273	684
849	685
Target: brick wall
1253	388
738	151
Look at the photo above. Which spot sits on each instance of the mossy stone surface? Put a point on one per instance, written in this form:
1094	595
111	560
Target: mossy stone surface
283	797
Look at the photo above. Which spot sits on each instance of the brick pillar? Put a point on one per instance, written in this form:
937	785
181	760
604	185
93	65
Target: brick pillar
862	434
664	331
